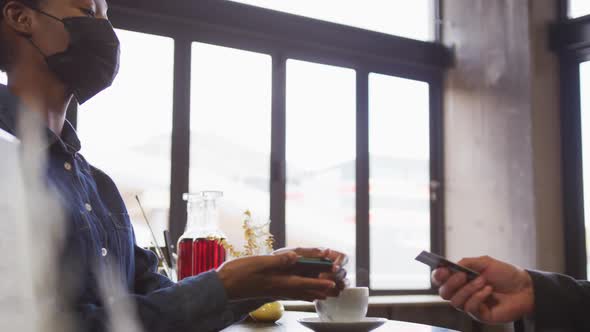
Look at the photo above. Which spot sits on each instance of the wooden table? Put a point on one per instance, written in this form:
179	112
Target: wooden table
289	324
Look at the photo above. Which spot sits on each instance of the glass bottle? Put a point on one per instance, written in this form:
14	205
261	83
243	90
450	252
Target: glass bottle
199	248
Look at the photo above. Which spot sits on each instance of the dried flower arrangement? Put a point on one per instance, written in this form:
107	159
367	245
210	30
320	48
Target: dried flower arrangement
259	240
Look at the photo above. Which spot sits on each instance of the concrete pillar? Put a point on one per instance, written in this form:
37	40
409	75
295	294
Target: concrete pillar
502	139
546	140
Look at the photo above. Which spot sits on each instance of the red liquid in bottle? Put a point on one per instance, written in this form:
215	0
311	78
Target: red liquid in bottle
207	255
185	259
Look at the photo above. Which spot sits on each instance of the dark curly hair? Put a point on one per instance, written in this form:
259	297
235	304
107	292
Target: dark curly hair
4	56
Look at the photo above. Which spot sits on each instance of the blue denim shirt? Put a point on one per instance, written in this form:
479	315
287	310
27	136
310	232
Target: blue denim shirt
100	234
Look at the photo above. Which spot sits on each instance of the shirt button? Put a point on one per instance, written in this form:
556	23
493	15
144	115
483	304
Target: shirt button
104	252
68	166
88	207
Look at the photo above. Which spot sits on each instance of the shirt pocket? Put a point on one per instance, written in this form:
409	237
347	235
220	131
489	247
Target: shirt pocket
123	239
92	232
82	223
120	221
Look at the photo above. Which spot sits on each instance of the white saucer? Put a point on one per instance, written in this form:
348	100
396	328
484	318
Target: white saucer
365	325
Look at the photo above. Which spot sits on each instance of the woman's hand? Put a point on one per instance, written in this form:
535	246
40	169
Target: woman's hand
340	260
268	276
502	293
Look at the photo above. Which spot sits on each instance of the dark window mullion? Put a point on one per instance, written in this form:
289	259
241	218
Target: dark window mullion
362	180
278	169
563	9
438	21
180	162
573	173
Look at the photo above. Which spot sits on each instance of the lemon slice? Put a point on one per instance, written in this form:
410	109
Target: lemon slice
268	313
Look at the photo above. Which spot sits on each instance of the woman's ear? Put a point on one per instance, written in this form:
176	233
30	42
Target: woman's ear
18	17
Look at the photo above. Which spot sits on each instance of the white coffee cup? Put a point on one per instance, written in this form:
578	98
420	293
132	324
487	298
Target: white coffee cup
350	306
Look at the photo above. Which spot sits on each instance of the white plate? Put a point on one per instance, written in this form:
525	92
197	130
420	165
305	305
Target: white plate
365	325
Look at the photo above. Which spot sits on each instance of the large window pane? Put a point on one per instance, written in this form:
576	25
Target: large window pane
585	116
126	130
231	131
412	19
579	8
321	136
399	181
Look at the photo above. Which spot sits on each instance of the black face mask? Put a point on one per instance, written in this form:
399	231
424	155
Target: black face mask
91	61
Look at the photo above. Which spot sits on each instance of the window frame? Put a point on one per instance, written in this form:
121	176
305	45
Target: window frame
306	39
570	40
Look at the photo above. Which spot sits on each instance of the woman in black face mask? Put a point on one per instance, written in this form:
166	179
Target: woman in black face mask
53	51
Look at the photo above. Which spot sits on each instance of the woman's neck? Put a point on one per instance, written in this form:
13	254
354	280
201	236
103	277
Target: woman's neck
40	91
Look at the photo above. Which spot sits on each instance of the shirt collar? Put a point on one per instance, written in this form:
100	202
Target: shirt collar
9	106
69	138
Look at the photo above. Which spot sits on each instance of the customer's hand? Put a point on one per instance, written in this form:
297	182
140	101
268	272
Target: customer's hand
339	259
503	293
268	276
